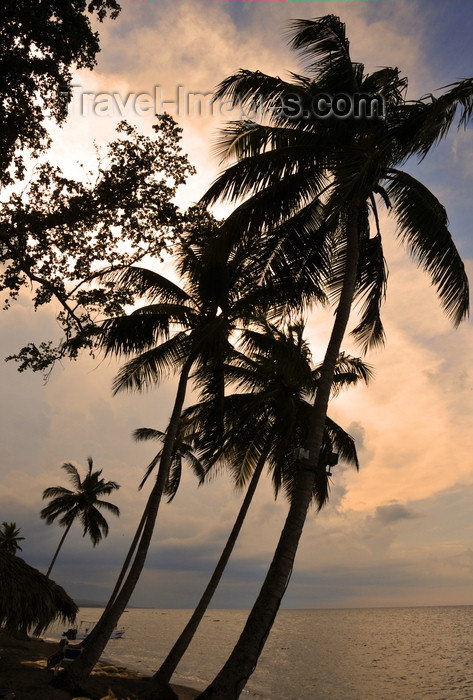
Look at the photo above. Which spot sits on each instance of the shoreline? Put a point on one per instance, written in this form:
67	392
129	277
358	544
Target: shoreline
23	670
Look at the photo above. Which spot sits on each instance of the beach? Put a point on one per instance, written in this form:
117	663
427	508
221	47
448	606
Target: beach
341	654
23	670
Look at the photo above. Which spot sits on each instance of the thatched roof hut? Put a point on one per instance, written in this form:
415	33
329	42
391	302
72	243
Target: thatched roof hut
29	600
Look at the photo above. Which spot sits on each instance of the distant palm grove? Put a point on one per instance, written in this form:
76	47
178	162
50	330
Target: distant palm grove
304	233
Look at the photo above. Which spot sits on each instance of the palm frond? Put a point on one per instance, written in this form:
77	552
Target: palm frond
146	284
143	329
435	115
342	443
423	227
54	491
149	368
73	474
150	469
259	94
183	449
93	524
388	83
325	50
350	370
105	488
145	434
371	289
306	239
106	505
174	477
272	205
243	141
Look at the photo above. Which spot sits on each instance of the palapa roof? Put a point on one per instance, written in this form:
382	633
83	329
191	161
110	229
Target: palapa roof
28	599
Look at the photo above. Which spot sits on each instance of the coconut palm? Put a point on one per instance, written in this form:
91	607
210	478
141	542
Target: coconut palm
184	328
183	452
307	179
10	537
264	425
84	503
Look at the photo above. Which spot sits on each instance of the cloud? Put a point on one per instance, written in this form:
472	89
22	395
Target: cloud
386	515
369	545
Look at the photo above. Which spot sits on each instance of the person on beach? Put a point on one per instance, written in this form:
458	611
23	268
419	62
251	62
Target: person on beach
58	656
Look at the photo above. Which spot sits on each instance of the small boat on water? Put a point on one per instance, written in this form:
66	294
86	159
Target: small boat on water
86	627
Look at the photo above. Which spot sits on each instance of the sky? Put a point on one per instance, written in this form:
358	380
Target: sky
399	532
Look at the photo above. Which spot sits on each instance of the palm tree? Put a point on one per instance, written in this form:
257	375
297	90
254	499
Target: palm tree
307	179
183	452
264	424
184	328
10	537
84	503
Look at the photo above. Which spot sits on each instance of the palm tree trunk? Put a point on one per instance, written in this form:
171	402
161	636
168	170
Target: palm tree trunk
83	665
58	548
232	678
163	674
128	558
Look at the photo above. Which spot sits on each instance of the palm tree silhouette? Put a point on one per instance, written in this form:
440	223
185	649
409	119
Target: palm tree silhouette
312	188
265	423
10	537
185	328
83	503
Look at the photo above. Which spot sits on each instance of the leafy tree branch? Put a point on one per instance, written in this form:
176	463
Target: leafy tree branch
58	234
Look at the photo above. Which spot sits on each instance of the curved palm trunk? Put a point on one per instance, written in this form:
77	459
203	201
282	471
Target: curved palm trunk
58	548
127	561
232	678
100	635
169	665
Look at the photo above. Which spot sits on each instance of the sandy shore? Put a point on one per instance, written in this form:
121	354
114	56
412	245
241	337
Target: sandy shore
23	669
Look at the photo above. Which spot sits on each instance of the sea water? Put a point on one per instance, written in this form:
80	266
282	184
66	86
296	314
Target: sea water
344	654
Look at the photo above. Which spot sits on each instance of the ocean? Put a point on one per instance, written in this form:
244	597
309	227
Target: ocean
336	654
